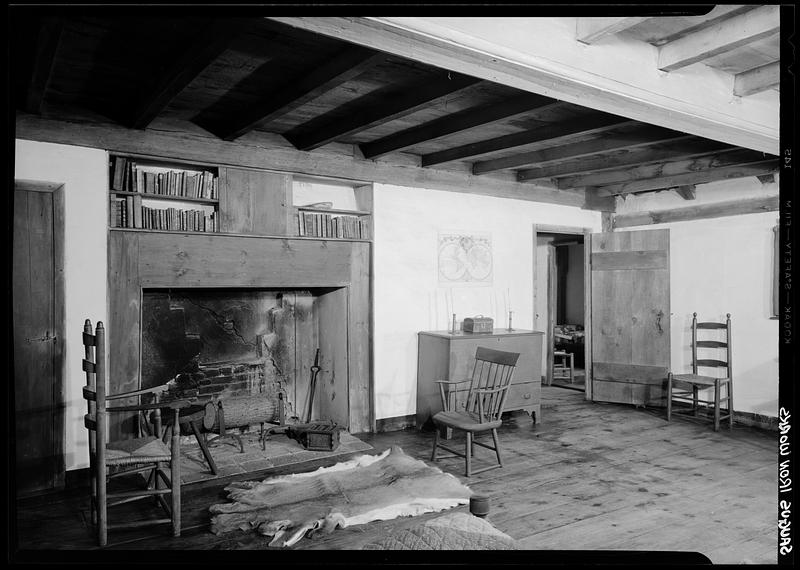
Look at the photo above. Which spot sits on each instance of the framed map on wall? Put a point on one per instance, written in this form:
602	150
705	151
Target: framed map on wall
465	258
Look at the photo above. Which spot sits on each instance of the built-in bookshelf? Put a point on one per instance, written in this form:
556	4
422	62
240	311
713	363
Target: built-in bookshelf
331	223
332	209
157	195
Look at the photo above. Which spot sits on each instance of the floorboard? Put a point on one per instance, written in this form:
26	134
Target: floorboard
597	477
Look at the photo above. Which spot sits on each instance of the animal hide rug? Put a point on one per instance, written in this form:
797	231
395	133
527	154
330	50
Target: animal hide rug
364	489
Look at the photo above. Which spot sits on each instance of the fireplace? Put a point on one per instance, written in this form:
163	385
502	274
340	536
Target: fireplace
227	316
215	344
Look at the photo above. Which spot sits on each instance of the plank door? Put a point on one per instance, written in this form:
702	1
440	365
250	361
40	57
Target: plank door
38	398
630	316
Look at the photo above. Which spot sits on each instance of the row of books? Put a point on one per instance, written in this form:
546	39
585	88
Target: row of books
329	225
128	212
128	176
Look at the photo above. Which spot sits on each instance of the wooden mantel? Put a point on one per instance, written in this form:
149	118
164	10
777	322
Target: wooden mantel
144	259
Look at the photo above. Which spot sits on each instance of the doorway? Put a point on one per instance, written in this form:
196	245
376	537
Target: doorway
561	305
38	330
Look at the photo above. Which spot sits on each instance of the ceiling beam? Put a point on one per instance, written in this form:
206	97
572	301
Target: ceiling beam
701	177
757	80
664	168
49	39
546	135
688	192
667	151
261	150
589	30
209	42
476	49
697	212
644	136
346	65
455	123
393	106
720	38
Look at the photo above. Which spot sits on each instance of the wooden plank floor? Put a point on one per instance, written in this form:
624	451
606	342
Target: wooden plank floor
593	477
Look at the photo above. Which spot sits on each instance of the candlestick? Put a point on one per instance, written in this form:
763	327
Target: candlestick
509	321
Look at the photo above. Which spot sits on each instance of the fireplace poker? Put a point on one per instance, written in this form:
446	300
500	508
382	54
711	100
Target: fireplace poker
311	387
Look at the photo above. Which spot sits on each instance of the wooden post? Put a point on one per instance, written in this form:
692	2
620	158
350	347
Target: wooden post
175	464
100	407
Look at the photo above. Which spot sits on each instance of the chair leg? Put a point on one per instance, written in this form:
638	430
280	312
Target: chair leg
669	396
435	443
571	368
102	517
716	405
93	490
469	453
175	464
694	401
497	447
730	404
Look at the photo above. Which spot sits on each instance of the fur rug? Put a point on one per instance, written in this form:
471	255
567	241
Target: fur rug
364	489
453	531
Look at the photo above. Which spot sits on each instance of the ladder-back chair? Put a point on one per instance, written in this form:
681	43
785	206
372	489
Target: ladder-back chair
687	387
483	407
143	455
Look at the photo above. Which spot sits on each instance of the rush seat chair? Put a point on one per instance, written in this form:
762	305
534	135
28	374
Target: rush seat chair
687	388
147	456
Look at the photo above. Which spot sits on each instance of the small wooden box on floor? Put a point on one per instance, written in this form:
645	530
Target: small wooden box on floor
451	356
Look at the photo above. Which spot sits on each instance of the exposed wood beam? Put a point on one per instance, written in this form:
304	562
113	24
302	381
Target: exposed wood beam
697	212
455	123
474	54
601	203
547	135
688	192
46	50
641	137
177	140
394	106
208	44
589	30
346	65
720	38
702	177
678	165
757	80
667	151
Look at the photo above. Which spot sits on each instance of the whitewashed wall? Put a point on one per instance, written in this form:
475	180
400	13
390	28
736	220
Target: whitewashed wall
408	296
83	171
719	266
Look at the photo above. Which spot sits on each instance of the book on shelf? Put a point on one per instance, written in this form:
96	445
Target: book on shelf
331	225
129	212
129	176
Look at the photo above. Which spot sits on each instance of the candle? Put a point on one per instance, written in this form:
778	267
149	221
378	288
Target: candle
509	298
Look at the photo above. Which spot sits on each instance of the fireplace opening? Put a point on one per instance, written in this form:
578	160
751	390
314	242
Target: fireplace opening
217	344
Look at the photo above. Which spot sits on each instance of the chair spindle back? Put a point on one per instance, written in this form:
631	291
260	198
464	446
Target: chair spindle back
493	370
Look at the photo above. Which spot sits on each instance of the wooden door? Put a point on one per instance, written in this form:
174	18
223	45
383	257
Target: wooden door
630	316
38	343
